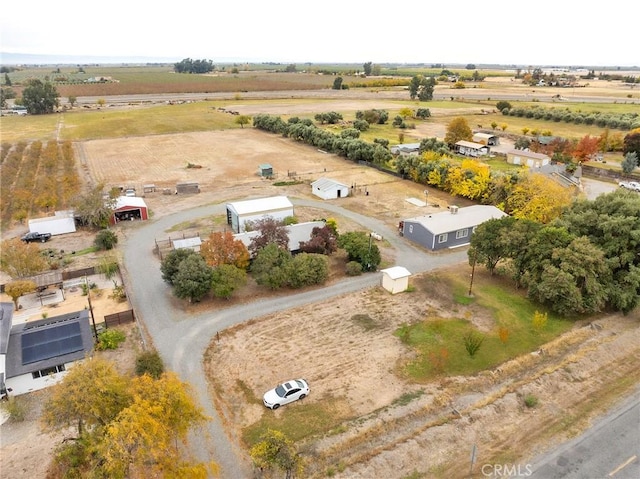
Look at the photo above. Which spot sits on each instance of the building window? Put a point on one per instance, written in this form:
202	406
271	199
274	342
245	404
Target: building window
46	372
410	228
462	233
443	238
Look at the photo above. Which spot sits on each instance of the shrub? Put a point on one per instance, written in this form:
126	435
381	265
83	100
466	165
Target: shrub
530	401
110	339
15	408
353	268
105	240
472	342
149	362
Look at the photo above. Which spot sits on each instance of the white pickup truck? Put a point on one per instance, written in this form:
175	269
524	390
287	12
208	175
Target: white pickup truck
630	185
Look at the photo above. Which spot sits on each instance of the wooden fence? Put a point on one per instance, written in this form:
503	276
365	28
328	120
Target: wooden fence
123	317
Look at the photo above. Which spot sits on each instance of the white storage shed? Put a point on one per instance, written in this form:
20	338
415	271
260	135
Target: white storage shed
328	189
241	212
395	279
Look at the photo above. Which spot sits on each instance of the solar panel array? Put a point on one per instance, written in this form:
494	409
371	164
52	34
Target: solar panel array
47	343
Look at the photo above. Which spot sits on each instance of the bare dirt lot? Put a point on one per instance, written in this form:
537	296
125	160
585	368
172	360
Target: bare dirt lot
356	363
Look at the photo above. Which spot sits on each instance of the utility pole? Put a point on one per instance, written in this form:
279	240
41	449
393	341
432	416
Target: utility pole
473	270
93	319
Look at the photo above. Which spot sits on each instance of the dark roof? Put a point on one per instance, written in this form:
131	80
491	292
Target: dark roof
6	314
48	342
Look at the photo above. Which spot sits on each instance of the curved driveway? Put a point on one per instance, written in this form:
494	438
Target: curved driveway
182	340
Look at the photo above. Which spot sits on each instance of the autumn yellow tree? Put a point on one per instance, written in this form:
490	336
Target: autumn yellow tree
145	436
15	289
222	248
471	180
458	130
19	259
127	427
537	198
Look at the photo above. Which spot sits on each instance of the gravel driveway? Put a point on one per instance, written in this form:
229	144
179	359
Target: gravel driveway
182	341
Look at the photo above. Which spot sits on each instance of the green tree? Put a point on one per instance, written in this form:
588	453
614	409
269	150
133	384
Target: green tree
611	222
337	83
367	67
93	209
631	143
15	289
19	259
242	120
629	163
226	279
270	266
573	280
457	130
276	451
489	242
192	281
106	240
7	80
306	269
360	247
72	99
40	97
171	262
422	88
502	105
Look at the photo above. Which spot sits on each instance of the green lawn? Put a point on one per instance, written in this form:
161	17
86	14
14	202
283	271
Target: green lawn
440	344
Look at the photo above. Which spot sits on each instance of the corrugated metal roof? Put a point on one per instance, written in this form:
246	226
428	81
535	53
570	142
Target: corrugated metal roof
466	217
130	201
297	233
260	205
326	184
529	154
470	144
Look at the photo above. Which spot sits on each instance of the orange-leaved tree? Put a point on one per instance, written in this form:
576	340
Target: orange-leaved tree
222	248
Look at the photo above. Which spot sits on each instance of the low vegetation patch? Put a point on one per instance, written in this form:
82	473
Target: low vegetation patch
444	346
318	417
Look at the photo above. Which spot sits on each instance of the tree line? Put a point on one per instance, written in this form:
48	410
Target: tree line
194	66
583	262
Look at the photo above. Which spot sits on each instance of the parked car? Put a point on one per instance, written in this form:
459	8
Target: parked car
630	185
285	393
34	236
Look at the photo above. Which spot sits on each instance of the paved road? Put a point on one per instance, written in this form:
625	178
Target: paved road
610	449
182	340
354	93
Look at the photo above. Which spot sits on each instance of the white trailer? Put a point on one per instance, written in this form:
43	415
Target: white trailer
63	222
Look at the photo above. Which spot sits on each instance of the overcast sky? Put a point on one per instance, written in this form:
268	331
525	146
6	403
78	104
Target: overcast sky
538	32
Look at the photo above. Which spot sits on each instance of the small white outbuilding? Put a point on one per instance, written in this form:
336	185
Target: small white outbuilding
395	279
328	189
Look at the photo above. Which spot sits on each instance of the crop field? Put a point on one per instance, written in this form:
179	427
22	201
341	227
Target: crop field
36	178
